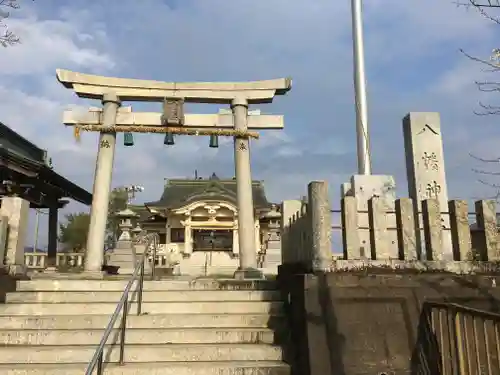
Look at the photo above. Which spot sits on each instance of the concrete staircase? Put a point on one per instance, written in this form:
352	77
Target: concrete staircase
197	327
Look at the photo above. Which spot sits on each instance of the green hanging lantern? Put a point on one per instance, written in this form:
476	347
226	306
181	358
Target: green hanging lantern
128	139
214	141
169	139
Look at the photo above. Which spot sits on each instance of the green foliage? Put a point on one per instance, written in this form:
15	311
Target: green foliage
73	233
117	202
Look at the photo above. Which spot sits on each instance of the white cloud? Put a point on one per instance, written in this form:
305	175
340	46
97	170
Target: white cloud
49	44
412	60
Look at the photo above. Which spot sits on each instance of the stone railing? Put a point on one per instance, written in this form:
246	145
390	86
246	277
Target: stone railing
38	261
164	261
388	233
35	260
170	247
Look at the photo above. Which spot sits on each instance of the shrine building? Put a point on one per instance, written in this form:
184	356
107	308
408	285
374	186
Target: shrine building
198	219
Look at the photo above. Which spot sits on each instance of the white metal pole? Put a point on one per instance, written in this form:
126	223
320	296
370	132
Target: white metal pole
363	139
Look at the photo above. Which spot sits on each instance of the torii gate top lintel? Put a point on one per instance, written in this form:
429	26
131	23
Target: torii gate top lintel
128	89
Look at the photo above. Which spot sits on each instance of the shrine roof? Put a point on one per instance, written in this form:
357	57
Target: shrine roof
26	163
181	192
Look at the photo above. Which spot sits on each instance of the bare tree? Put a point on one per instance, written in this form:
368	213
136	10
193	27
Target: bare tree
7	37
487	9
482	3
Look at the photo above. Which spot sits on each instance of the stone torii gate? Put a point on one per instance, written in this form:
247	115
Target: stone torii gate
112	91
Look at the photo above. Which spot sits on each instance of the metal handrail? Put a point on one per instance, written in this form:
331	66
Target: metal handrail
462	309
458	339
151	240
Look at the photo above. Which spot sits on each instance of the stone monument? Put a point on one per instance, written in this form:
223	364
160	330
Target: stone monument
425	170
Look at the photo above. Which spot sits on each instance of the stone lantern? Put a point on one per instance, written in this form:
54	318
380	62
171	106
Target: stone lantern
274	217
125	226
123	255
136	231
272	249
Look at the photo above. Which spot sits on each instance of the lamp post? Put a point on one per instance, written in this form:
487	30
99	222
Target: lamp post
131	191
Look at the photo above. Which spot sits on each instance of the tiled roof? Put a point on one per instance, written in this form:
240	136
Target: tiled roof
178	193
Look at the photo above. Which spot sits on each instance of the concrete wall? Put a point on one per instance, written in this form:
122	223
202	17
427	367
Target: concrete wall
367	323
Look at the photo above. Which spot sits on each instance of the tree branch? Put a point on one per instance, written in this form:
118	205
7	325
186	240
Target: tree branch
480	6
497	160
7	37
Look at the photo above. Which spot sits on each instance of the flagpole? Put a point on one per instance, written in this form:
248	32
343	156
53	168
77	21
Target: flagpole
363	139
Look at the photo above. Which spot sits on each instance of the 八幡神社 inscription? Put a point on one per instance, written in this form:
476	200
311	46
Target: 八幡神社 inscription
431	161
432	190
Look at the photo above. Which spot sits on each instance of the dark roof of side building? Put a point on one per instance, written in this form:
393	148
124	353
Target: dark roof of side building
20	155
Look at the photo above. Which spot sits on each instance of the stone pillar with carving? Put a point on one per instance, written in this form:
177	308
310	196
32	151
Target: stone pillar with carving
15	211
236	239
426	173
257	236
168	233
188	238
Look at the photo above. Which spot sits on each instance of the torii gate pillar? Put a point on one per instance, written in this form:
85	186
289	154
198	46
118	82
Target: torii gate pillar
94	256
244	195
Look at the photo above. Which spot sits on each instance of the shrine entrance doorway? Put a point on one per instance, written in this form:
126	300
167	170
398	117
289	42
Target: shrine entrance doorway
212	240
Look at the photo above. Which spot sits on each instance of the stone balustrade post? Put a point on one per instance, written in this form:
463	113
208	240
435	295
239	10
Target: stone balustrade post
460	229
377	218
320	224
289	209
406	230
487	224
433	232
350	235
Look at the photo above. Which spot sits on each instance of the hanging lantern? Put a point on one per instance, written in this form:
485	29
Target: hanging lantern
214	141
169	139
128	139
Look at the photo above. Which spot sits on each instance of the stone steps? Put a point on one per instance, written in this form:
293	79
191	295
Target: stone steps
123	256
62	322
143	321
178	368
17	354
118	284
187	327
243	307
140	336
148	296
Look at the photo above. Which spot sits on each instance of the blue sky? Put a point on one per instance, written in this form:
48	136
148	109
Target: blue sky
413	64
